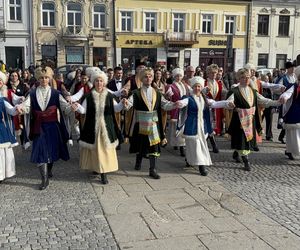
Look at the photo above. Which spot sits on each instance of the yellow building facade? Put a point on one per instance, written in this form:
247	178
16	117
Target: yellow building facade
181	33
73	31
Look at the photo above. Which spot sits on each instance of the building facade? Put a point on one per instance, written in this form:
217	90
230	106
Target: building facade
15	41
275	33
181	33
73	32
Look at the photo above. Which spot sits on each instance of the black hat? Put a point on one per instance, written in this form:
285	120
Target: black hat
289	65
139	63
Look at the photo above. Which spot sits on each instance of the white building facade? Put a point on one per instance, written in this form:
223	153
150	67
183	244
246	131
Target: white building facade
15	39
275	33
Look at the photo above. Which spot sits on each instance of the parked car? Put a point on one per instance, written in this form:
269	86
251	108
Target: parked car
265	71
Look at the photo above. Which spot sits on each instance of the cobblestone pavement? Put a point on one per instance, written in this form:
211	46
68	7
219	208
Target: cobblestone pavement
67	215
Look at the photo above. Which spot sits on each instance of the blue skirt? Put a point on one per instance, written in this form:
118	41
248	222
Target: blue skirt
49	146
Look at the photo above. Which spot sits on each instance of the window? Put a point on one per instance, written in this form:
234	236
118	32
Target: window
126	19
280	61
229	24
263	60
284	25
48	11
178	22
207	23
150	22
74	18
99	17
15	10
263	25
74	54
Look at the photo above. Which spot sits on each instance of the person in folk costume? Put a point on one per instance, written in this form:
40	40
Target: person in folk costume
99	131
132	83
115	85
146	132
189	74
58	84
214	91
245	119
159	84
47	130
194	125
175	92
7	134
291	117
288	79
3	87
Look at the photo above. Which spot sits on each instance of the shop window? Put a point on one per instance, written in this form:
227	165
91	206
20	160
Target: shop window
263	25
74	18
126	21
179	22
280	61
99	17
99	57
187	58
74	54
150	19
207	24
263	60
15	10
48	12
284	25
229	24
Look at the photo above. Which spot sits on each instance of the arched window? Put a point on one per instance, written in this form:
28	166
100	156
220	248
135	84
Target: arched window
99	19
48	13
74	18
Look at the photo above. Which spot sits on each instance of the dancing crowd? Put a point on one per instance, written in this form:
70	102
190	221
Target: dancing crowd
45	111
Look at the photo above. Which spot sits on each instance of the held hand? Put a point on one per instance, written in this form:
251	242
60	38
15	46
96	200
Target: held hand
282	100
68	98
125	102
231	105
75	106
124	92
178	105
19	109
282	88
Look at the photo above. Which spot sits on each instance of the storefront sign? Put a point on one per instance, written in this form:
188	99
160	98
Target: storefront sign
212	52
139	42
217	43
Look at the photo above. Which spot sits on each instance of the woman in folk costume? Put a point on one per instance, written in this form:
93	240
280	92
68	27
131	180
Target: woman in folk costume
99	131
215	89
291	117
146	132
194	124
175	92
7	135
245	119
3	87
48	132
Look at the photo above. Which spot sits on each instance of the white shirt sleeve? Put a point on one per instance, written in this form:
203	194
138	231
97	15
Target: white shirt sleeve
130	103
118	106
82	108
218	104
167	105
10	109
65	106
77	96
117	93
265	102
183	103
288	94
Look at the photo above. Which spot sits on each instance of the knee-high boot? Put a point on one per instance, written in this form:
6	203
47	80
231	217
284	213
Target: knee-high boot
104	179
44	174
50	166
138	162
213	143
152	170
182	153
246	162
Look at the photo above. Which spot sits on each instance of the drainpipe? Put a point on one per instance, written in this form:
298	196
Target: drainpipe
248	37
31	33
114	34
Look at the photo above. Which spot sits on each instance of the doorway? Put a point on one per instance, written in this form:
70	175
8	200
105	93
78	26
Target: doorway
14	57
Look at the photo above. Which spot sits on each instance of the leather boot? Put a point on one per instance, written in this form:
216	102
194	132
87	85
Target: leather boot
44	174
291	157
152	170
203	170
104	179
213	144
182	151
138	162
236	156
246	162
50	166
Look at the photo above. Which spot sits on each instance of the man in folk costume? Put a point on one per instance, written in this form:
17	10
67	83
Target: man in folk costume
48	132
245	118
291	117
146	132
175	92
215	89
194	124
288	80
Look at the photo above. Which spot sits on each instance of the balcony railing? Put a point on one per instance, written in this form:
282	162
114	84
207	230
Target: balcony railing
74	32
184	38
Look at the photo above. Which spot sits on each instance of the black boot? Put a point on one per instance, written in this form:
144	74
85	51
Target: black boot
236	156
138	162
213	144
246	163
291	157
186	163
281	136
182	151
152	170
50	166
104	179
203	170
175	148
44	174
